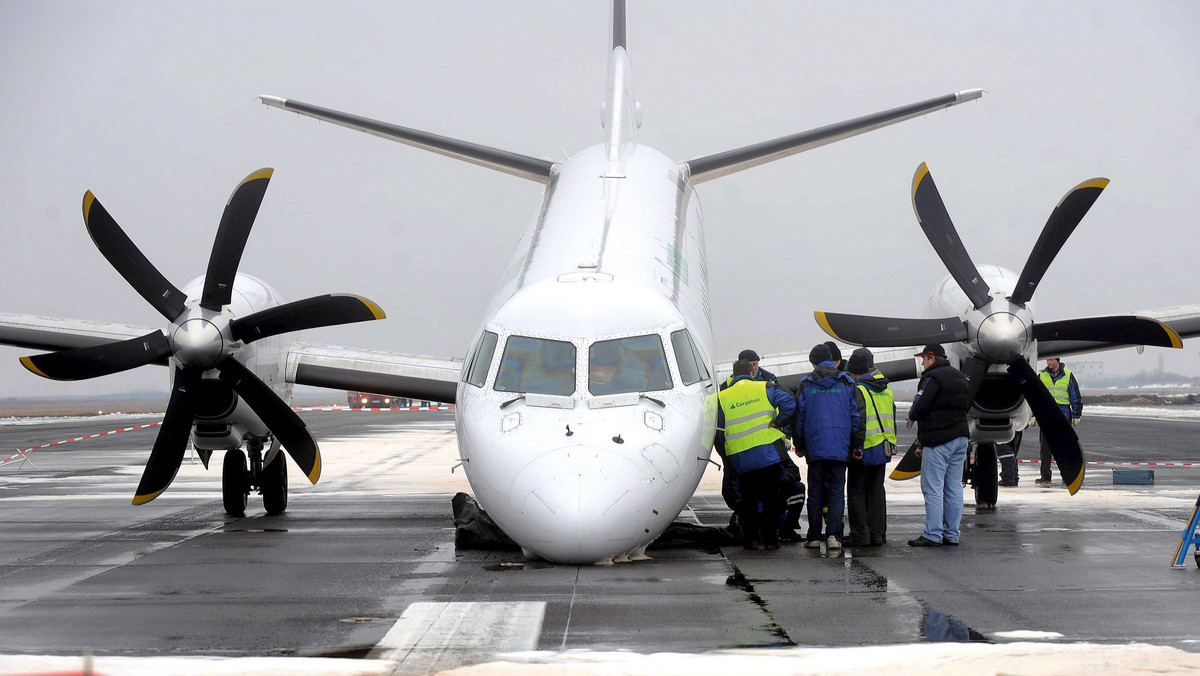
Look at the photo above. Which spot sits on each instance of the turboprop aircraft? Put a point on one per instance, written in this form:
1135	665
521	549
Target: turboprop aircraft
984	317
586	404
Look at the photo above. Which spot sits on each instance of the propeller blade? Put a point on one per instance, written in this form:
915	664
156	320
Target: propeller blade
1064	443
935	221
278	416
974	369
129	261
909	465
1066	215
1130	330
230	242
890	332
310	313
172	439
100	360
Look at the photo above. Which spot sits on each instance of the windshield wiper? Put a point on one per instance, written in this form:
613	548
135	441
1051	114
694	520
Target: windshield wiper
512	401
657	401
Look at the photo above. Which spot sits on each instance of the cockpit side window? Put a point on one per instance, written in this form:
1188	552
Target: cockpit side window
636	364
691	367
537	365
477	372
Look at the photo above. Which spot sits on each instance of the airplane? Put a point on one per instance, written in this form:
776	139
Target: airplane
984	317
586	404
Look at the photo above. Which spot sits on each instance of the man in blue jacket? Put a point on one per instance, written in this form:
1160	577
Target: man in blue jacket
828	430
752	444
1065	389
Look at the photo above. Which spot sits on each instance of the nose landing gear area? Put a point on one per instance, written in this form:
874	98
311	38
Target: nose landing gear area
239	478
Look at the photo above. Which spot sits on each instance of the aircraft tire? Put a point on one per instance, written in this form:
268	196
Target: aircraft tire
235	482
986	490
275	485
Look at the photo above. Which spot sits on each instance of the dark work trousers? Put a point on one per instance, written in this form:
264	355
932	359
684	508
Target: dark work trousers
1007	454
760	486
826	489
1047	456
866	503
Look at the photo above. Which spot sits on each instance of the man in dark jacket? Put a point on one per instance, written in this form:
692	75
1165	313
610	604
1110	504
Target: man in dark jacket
752	448
940	407
865	498
828	430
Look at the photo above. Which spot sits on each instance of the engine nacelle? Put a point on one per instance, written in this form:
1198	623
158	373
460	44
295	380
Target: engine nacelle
999	412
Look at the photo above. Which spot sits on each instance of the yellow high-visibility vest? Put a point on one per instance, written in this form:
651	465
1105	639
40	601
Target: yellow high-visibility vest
880	416
748	415
1060	387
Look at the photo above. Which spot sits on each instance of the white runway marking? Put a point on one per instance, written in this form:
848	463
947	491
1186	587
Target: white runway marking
433	636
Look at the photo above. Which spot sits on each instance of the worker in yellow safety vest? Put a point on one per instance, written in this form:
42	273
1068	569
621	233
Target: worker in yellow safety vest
750	442
865	497
1065	389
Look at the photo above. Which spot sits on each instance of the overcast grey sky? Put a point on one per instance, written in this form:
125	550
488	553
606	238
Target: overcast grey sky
151	106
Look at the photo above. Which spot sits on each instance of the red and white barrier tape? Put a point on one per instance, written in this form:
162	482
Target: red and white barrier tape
402	408
1129	464
24	453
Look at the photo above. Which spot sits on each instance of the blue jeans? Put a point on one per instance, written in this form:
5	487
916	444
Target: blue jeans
941	483
826	488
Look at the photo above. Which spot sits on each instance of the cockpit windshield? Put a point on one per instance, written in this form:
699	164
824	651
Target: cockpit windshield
636	364
538	366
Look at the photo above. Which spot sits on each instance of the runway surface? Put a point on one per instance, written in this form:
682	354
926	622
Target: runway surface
363	565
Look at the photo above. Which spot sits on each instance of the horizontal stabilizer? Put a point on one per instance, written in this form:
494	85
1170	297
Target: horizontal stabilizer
531	168
722	164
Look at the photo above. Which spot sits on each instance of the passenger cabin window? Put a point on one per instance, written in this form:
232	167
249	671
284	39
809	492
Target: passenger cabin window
482	359
637	364
538	366
691	365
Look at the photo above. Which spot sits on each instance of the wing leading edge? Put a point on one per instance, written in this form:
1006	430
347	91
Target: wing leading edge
401	375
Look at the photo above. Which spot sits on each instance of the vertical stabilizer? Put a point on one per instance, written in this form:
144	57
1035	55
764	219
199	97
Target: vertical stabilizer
622	113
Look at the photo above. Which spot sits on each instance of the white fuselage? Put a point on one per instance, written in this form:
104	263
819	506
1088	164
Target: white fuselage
585	426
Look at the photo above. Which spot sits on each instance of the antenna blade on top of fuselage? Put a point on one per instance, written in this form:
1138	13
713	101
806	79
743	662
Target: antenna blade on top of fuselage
731	161
524	166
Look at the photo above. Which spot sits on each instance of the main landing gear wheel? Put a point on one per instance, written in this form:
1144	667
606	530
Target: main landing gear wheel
274	485
235	482
984	476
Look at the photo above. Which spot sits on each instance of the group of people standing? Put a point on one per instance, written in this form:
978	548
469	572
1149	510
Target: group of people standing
842	418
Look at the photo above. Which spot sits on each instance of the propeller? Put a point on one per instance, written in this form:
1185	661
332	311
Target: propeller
1000	331
203	336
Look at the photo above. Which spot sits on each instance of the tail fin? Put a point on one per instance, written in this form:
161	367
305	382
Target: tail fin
622	113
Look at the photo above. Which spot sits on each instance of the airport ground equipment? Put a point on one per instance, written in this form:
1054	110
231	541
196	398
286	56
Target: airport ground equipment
1189	538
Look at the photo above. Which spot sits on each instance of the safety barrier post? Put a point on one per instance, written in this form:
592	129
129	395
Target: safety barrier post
1189	537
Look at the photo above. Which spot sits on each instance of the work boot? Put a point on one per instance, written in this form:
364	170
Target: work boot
833	543
812	544
1043	482
789	535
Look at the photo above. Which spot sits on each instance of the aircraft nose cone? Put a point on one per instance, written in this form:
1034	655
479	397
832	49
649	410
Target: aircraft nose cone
197	343
580	505
1003	337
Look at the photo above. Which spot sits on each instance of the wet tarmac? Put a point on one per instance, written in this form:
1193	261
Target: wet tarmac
363	565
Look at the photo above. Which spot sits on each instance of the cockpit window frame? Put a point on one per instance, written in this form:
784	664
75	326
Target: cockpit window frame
666	366
477	370
687	350
508	344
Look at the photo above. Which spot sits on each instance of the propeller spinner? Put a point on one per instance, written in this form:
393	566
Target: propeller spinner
202	336
1000	330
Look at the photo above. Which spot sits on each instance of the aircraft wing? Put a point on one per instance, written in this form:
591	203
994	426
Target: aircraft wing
1183	319
790	367
347	368
55	333
722	164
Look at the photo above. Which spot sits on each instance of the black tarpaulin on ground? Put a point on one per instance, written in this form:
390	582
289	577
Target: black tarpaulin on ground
474	529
